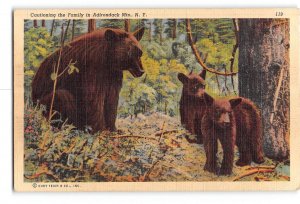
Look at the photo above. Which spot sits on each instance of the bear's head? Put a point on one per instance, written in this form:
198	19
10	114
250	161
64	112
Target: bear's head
220	111
125	51
193	84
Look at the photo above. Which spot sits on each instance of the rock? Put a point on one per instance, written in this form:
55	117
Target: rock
140	117
283	170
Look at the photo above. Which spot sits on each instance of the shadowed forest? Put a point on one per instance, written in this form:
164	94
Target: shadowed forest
150	143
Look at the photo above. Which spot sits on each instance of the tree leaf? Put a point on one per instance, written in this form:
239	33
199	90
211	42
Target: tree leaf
53	76
72	68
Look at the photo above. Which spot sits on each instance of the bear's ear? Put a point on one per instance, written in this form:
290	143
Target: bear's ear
203	74
208	99
138	34
234	102
110	35
182	77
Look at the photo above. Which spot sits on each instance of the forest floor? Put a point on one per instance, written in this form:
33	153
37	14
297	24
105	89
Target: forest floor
145	148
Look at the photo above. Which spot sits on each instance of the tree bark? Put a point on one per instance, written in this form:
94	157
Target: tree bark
150	32
174	30
160	38
263	56
73	30
67	29
91	25
35	24
43	23
127	25
52	27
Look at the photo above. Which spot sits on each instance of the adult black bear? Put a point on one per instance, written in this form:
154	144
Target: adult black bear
90	97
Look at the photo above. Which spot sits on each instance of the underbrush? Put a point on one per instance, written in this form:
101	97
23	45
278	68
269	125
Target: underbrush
145	148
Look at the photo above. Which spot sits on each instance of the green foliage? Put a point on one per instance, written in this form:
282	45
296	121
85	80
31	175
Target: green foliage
111	23
27	25
38	45
148	147
225	30
157	51
215	30
159	88
185	56
138	23
136	97
218	57
158	30
170	24
140	153
57	29
80	27
215	39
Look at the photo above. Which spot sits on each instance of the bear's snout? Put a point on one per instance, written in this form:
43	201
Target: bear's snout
224	120
137	69
226	124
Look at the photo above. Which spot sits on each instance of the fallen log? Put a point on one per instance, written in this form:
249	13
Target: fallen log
134	136
253	171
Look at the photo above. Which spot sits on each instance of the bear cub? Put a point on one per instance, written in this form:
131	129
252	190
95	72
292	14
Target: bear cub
235	121
192	104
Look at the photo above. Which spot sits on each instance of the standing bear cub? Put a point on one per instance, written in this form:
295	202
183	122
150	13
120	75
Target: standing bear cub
90	97
235	121
192	104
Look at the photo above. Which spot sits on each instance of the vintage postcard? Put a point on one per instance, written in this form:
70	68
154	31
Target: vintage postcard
156	100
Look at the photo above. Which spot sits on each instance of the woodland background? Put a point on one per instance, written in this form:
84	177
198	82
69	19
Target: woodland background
166	52
151	143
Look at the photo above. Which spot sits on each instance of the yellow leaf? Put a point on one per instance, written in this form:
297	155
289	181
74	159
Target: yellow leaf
53	76
29	72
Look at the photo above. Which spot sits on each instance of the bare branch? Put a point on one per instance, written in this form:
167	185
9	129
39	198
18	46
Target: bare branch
134	136
277	94
225	80
235	47
218	83
197	55
253	171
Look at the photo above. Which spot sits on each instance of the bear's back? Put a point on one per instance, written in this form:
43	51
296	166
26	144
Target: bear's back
85	51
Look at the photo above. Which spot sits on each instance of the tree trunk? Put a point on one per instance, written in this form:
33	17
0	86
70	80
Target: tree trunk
166	107
73	30
43	23
264	78
91	25
174	30
160	38
52	27
35	24
150	32
67	29
127	25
